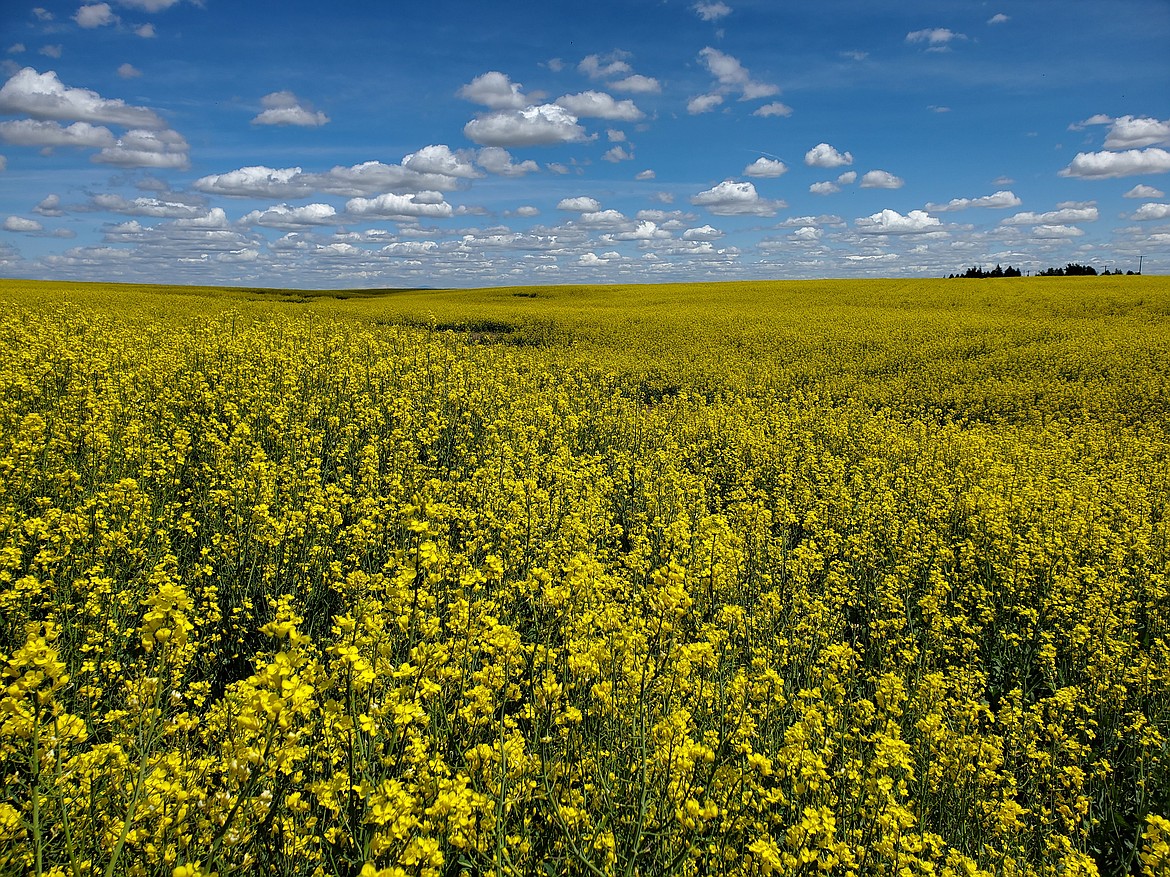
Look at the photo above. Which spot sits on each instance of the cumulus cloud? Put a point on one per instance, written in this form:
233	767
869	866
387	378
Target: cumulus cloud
496	160
702	233
637	84
50	206
44	96
28	132
703	103
848	178
881	180
1144	191
998	18
129	71
580	204
765	167
733	76
712	11
808	233
146	31
1062	216
936	38
1152	210
647	175
824	187
20	224
152	207
599	105
256	181
495	91
824	155
999	200
773	109
616	154
605	67
1056	232
1129	132
283	216
603	219
646	230
150	5
733	198
138	148
394	206
892	222
285	108
1106	165
95	15
440	160
543	125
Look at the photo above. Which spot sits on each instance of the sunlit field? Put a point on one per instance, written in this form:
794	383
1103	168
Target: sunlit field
840	577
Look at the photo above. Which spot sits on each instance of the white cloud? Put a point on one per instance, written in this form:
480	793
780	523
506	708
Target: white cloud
605	67
703	103
765	167
637	84
1000	200
1129	132
1063	216
20	224
773	109
284	108
645	175
149	5
892	222
824	155
580	204
599	105
1097	119
138	148
146	31
495	91
848	178
256	181
542	125
51	51
733	76
878	179
712	11
1152	210
44	96
129	71
1143	191
824	188
1056	232
213	219
732	198
603	219
617	154
646	230
95	15
527	210
27	132
439	159
283	216
1106	165
592	259
393	206
702	233
998	18
936	37
808	233
50	206
496	160
152	207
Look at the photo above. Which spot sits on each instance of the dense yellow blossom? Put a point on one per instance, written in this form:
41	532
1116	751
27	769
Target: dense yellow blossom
796	579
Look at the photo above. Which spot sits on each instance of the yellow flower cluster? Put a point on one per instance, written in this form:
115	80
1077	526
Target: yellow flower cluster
329	588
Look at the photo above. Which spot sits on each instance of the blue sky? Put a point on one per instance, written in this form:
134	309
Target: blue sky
307	144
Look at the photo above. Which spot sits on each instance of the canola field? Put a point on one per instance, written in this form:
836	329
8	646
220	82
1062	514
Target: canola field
819	578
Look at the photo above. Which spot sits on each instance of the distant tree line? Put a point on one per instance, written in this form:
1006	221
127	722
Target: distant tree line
1072	269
